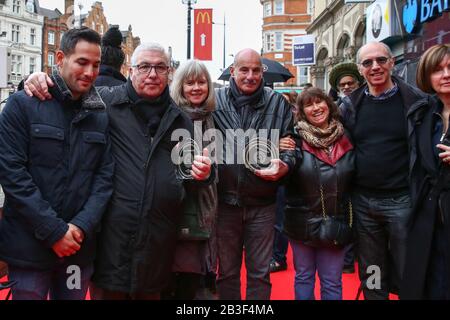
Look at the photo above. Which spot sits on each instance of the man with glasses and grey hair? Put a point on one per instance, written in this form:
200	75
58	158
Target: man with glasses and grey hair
375	115
138	234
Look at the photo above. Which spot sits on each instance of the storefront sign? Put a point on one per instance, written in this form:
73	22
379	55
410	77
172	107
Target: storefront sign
417	12
303	50
379	20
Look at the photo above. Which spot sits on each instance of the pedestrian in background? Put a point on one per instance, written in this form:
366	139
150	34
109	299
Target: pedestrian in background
113	58
280	241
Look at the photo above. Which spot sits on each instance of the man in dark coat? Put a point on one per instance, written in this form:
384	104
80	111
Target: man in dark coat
56	170
247	193
375	115
139	229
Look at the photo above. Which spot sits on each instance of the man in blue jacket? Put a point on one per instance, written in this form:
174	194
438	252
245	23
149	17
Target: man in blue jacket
56	170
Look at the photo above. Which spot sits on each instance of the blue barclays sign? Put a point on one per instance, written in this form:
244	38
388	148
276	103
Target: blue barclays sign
416	12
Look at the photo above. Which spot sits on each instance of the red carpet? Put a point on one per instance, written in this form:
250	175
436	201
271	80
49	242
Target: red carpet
283	284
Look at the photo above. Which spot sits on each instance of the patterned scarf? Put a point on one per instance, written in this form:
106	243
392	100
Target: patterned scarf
320	138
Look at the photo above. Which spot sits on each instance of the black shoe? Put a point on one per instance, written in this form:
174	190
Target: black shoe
275	266
348	269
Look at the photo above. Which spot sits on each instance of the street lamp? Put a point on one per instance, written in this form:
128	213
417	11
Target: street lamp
224	39
189	8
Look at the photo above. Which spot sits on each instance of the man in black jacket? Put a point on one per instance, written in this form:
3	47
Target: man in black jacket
138	235
56	170
247	193
375	115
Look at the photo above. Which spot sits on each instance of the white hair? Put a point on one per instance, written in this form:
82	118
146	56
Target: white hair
149	47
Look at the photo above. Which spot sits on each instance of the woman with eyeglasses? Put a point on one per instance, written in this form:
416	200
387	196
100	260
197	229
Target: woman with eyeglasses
427	268
317	192
195	255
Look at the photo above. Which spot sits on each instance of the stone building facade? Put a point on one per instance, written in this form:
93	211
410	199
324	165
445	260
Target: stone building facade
340	30
283	20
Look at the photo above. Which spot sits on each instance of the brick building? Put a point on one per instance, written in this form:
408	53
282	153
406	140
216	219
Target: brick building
55	24
128	45
283	20
95	18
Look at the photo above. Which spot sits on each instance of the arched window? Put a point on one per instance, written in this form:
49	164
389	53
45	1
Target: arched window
343	43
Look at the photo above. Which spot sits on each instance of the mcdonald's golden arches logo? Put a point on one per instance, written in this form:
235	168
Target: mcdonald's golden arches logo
204	16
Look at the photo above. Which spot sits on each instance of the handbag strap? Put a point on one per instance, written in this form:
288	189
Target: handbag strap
324	213
322	199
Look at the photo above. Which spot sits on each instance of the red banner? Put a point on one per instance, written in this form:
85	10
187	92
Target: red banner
203	34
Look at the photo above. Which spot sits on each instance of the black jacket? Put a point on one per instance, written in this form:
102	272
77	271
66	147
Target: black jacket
303	197
55	168
238	185
139	231
351	104
109	77
430	184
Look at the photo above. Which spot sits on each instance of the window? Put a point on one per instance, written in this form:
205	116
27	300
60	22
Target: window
279	6
268	9
16	64
32	65
303	75
15	35
16	6
268	42
102	29
51	59
310	9
33	36
278	41
51	38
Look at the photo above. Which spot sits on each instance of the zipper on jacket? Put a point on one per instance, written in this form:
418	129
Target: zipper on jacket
441	212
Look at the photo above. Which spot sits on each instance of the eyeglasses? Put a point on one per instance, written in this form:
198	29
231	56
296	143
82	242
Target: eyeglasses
369	62
147	68
348	83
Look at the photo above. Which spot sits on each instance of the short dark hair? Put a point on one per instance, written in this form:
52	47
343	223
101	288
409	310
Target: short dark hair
71	38
113	57
312	95
428	63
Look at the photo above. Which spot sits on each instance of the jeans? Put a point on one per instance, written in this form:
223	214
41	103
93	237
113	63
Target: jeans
381	226
280	242
250	228
328	262
61	283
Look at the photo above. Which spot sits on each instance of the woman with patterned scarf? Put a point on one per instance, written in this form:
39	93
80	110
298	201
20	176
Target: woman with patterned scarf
318	189
192	90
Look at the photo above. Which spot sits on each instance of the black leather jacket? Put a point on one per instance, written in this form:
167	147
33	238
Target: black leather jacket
238	185
303	197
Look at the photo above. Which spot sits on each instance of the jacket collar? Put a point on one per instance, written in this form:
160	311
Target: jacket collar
262	100
425	134
106	70
340	149
410	95
89	101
